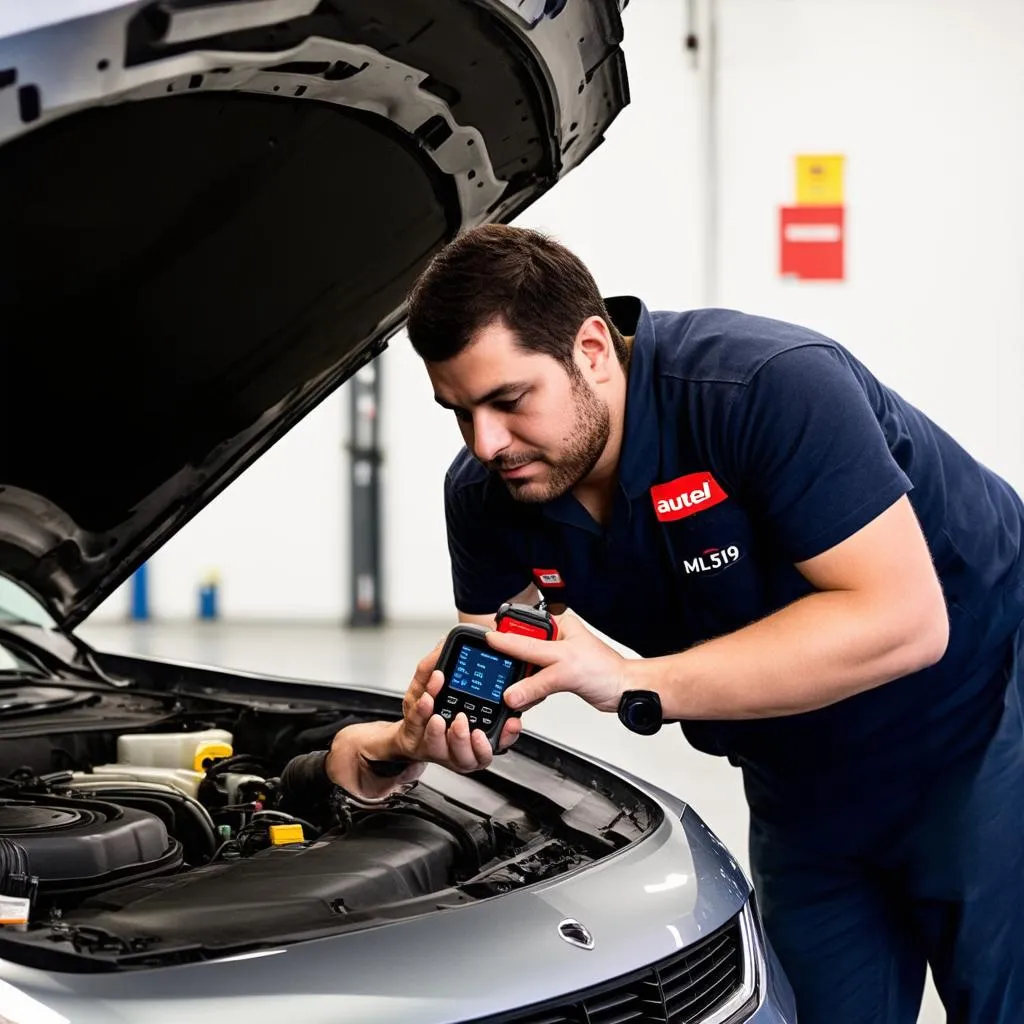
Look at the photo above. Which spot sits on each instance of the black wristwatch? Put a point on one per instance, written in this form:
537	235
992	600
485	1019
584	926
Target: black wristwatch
640	711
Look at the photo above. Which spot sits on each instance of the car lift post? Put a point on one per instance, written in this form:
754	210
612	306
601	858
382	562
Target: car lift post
364	489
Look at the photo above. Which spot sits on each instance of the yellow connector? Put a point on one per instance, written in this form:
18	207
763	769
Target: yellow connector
281	834
207	751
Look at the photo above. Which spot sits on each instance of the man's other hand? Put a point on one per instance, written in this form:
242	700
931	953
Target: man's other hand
419	736
354	746
422	735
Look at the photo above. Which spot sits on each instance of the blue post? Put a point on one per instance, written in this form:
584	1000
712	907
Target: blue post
208	598
140	594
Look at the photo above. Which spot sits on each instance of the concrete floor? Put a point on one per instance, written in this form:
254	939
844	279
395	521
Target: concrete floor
387	657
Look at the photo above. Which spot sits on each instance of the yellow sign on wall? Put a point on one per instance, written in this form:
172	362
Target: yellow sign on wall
819	180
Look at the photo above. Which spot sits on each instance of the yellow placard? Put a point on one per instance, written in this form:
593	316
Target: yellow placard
819	180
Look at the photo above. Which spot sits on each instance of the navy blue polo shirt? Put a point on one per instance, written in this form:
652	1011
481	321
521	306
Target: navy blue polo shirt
750	445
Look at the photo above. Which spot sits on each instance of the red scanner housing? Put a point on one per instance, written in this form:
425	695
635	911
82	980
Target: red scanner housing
526	620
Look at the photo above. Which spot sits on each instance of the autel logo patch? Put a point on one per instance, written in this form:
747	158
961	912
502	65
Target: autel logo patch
712	559
685	496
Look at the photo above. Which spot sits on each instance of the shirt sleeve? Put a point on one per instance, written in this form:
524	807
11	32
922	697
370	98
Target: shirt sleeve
809	455
485	572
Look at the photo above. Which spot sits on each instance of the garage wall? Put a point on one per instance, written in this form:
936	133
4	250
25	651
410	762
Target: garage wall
926	102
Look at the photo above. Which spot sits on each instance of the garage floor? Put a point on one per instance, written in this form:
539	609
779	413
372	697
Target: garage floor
386	658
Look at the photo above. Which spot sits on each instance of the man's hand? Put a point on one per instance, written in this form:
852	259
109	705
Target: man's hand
577	662
420	736
346	763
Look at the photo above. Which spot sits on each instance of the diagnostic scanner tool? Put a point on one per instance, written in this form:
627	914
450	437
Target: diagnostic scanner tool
476	676
527	621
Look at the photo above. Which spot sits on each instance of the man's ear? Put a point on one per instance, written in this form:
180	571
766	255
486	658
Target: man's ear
595	351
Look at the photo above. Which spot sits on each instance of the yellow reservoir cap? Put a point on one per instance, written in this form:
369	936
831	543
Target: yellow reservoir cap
210	749
281	834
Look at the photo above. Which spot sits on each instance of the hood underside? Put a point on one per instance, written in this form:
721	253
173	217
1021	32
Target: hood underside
212	215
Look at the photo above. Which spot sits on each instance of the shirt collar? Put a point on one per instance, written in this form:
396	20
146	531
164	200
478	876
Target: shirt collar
641	443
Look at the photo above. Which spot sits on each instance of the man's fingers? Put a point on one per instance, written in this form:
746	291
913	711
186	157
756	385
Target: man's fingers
420	709
525	648
417	687
460	744
416	715
482	752
435	740
532	690
450	746
568	626
531	704
423	709
426	665
435	683
454	745
509	733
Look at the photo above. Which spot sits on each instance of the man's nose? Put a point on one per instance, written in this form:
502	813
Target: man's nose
489	436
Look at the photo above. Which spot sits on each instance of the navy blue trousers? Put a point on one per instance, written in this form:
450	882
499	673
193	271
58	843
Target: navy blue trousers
938	881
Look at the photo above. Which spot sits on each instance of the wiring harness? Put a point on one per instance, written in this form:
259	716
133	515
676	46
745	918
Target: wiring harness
16	878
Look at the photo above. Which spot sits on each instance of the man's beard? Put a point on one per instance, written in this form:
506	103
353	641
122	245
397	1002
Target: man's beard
583	447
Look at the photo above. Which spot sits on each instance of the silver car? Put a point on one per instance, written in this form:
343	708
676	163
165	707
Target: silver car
211	213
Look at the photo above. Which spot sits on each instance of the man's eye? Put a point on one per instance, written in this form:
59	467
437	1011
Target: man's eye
462	416
509	405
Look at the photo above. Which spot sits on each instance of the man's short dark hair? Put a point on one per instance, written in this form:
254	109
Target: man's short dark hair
539	289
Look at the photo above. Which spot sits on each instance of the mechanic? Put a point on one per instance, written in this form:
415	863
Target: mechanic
821	584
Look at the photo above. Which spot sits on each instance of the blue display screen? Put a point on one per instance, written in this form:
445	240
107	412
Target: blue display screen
481	673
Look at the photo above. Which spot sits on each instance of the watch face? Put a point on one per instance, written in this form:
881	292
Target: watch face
642	713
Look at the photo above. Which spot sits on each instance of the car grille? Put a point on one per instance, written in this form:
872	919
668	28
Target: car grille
684	989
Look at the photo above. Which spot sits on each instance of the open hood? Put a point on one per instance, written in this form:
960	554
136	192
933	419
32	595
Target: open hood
212	213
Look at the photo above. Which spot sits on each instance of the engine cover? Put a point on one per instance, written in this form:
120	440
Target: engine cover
77	847
391	858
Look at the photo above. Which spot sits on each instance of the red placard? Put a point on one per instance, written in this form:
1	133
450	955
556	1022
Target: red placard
812	242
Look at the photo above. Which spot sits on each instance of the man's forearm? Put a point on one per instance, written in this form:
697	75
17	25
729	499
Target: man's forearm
815	652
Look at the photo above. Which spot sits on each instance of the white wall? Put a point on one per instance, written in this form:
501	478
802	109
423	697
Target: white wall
924	98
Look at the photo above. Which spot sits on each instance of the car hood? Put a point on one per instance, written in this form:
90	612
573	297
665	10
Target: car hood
212	214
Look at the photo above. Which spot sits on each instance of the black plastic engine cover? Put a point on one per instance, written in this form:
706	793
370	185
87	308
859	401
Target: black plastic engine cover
78	846
385	859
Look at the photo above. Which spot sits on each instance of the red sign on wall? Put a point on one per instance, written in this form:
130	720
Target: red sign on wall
811	242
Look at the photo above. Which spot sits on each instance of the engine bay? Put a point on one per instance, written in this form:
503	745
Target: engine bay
175	834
